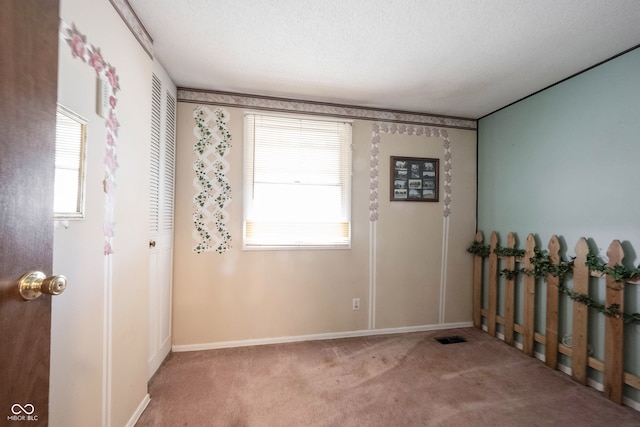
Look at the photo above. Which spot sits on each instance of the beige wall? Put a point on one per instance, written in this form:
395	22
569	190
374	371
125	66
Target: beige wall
238	295
79	320
251	295
417	248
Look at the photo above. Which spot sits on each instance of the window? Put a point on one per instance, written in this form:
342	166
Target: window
297	182
69	165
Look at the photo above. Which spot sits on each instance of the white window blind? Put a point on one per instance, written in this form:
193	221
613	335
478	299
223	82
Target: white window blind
297	182
69	165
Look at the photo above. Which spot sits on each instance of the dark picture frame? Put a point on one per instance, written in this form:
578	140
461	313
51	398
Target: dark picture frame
414	179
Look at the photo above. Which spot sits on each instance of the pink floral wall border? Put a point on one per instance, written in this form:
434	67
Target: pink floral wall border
402	129
92	56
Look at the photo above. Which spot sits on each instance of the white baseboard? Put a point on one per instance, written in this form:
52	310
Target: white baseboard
567	370
316	337
139	410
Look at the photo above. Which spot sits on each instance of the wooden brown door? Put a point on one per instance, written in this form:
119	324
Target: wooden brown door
28	92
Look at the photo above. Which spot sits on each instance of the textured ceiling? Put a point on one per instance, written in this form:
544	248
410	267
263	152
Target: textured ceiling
460	58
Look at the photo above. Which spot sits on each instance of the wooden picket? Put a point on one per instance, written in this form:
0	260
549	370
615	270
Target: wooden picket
528	338
509	295
489	318
493	286
580	344
553	295
614	330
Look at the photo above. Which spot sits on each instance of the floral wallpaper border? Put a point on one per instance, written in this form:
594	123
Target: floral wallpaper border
91	55
380	128
134	24
318	108
213	191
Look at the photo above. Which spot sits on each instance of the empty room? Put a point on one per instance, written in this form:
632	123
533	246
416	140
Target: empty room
323	213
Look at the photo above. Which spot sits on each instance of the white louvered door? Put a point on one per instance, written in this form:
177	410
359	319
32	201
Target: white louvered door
161	211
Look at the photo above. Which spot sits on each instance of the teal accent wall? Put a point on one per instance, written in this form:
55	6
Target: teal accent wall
566	161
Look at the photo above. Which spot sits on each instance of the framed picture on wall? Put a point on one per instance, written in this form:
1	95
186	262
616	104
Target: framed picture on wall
414	179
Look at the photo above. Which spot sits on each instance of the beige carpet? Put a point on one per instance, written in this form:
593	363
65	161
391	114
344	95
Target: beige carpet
391	380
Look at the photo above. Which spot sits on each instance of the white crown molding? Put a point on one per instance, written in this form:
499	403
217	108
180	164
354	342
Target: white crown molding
228	99
132	21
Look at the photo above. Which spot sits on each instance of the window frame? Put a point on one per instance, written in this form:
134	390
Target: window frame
248	159
62	143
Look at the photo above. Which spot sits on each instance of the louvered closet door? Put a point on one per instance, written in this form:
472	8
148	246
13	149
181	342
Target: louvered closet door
161	211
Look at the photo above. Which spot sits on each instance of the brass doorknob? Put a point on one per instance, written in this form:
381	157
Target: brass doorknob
36	283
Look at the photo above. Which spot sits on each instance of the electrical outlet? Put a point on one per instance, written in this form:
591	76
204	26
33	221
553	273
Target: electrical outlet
356	304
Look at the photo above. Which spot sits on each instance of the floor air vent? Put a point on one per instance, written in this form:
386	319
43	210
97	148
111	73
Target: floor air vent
450	340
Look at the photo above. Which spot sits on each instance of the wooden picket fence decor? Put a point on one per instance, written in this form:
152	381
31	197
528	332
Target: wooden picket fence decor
613	363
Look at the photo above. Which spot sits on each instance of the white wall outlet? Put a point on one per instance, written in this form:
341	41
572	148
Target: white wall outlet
356	304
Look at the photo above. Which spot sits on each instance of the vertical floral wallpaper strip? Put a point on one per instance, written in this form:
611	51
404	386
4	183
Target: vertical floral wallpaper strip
213	191
92	56
380	128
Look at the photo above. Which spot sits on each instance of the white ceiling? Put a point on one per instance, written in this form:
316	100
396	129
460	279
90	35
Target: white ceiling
463	58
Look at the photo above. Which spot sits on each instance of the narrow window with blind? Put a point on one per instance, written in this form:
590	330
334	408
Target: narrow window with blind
297	182
70	144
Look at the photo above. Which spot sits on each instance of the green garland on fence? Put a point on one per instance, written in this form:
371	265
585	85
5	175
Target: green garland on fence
542	267
500	251
613	310
617	272
510	274
479	249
